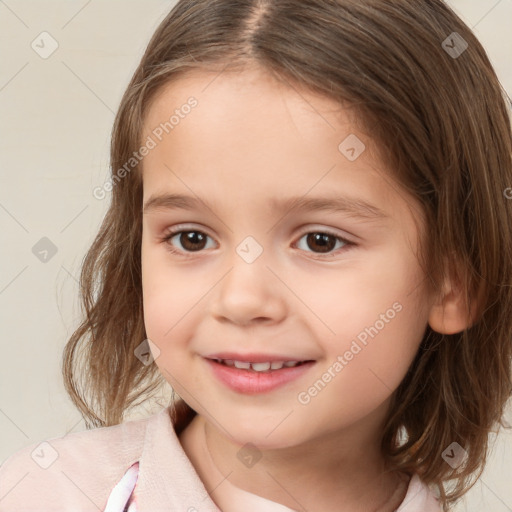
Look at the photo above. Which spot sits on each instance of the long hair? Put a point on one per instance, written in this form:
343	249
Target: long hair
424	89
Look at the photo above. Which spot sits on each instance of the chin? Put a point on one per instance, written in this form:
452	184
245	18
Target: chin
262	434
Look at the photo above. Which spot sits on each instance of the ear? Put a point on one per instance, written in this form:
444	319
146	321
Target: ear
450	312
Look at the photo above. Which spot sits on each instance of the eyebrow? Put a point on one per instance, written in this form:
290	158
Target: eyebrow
352	206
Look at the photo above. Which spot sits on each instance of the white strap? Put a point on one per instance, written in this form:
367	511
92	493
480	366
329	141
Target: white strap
123	490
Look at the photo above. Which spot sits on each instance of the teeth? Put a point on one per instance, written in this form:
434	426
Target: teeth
242	365
258	367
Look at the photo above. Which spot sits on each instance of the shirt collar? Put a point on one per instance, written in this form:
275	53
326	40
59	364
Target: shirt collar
167	479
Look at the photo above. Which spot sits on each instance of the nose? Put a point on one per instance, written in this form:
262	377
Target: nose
249	293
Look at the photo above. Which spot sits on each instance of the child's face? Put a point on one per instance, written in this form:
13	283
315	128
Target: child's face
359	311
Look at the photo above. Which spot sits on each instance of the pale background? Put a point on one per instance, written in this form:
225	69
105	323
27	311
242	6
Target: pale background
56	116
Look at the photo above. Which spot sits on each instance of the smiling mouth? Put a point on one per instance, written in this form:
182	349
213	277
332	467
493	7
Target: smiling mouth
265	367
252	378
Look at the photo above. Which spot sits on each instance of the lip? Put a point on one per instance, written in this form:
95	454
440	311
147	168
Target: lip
254	357
250	382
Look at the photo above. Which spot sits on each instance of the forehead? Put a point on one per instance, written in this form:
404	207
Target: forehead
253	84
252	134
249	108
248	114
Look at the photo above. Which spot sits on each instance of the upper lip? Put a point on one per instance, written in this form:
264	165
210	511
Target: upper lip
254	357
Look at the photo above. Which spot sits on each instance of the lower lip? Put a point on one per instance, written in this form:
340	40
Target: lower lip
252	382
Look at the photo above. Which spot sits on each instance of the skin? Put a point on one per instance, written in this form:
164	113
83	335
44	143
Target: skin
250	139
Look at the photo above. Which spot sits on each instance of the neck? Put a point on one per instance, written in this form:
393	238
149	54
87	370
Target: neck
333	472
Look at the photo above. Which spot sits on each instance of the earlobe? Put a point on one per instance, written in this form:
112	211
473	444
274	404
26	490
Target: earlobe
450	312
449	317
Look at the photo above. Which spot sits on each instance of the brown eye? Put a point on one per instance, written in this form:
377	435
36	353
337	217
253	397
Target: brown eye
322	243
191	241
194	241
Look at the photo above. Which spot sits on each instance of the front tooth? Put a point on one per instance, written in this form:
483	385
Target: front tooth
260	367
276	365
242	365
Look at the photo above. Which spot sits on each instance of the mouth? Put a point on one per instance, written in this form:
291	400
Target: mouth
253	378
260	367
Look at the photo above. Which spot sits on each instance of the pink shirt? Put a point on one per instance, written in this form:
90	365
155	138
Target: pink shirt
137	466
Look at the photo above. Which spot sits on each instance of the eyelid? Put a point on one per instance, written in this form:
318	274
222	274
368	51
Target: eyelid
179	228
171	232
328	231
174	230
186	227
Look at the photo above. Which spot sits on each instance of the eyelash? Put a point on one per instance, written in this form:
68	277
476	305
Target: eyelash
176	231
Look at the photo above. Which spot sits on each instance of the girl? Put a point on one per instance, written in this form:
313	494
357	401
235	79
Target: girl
309	240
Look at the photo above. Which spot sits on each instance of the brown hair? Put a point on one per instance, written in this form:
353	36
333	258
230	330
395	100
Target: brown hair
440	120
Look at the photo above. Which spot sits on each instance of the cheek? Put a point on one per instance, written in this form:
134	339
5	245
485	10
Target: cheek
164	296
166	323
380	292
379	320
167	301
172	307
352	296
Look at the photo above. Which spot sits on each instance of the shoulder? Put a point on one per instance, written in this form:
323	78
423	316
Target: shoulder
419	498
72	472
